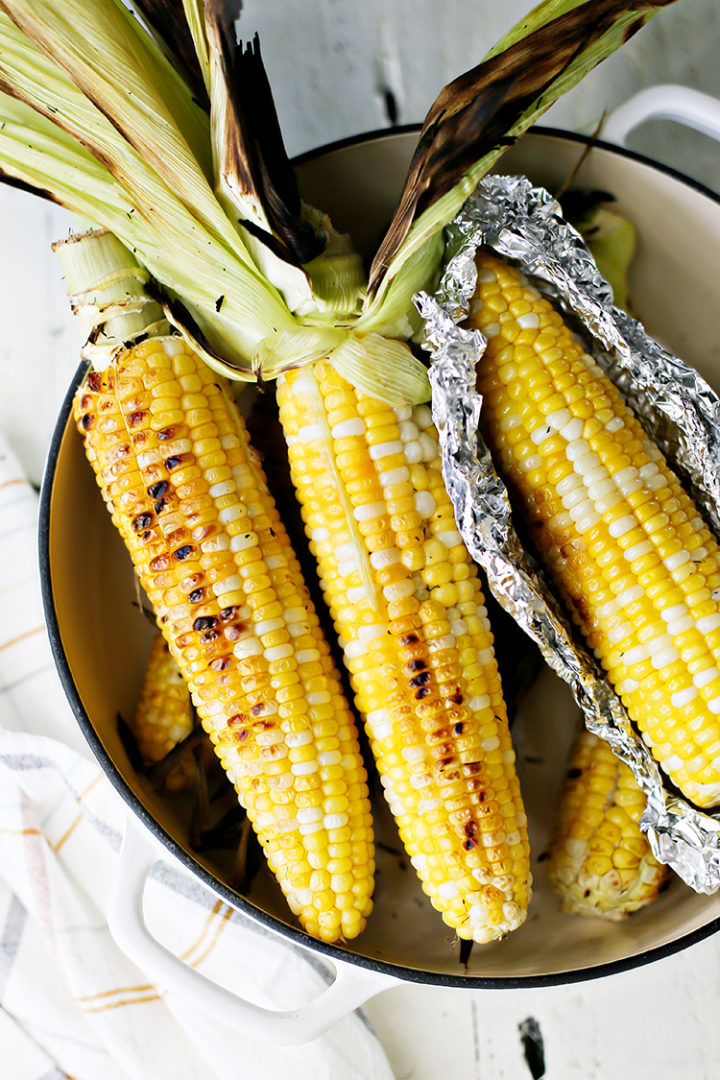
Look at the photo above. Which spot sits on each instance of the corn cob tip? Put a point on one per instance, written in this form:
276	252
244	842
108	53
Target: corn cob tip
599	860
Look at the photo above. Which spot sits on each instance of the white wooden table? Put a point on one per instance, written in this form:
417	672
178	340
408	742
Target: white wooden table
338	69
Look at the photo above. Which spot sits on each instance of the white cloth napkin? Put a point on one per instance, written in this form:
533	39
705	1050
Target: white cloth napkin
71	1004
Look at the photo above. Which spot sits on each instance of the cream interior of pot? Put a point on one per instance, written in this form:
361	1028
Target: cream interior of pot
676	292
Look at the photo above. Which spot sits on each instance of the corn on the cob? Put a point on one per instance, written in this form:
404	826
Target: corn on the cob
407	605
163	716
171	457
627	548
599	860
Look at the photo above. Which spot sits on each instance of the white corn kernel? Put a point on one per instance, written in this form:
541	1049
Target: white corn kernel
637	551
386	449
279	652
249	646
225	487
705	677
369	511
304	768
683	697
569	483
573	430
408	431
708	623
622	526
422	415
347	428
559	419
674	562
424	504
401	475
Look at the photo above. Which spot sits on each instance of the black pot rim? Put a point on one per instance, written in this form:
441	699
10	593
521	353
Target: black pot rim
293	934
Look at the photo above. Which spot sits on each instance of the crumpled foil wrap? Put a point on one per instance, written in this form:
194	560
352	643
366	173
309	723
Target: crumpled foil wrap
677	408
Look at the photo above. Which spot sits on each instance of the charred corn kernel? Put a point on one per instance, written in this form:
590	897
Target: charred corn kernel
636	565
392	565
599	860
163	717
228	601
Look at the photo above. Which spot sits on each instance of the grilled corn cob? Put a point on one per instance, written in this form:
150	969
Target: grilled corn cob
163	717
599	860
407	605
189	498
635	563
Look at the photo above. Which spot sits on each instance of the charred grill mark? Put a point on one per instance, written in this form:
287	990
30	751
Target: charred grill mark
173	462
183	552
208	636
473	114
416	665
422	692
142	522
222	663
409	639
205	622
458	728
166	433
196	596
236	719
135	418
420	680
156	491
87	421
159	506
94	381
227	613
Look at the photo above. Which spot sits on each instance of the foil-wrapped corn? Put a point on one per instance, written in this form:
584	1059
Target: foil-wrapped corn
623	542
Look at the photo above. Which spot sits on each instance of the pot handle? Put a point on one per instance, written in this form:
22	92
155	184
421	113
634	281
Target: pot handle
351	987
666	102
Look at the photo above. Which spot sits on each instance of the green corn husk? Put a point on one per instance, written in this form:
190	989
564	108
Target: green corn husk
206	200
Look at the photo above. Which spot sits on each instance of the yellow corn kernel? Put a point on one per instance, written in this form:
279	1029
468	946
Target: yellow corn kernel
609	494
586	845
215	595
390	568
163	717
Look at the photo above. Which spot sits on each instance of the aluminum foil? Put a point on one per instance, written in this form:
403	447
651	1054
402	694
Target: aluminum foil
677	408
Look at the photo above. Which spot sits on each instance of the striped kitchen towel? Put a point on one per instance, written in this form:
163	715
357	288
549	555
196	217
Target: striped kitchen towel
71	1004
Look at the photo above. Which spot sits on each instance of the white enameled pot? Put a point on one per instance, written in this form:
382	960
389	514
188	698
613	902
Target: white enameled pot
100	644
